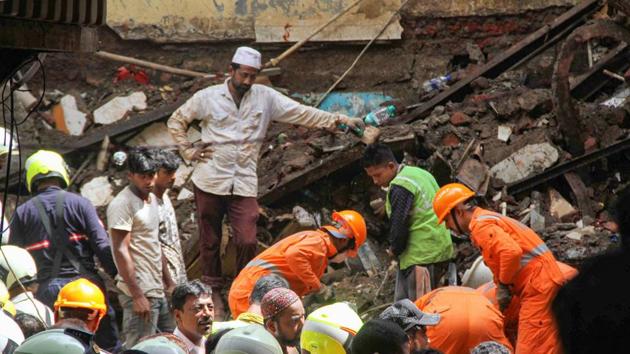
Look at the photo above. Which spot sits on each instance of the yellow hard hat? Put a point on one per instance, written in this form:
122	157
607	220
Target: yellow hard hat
330	329
44	164
5	304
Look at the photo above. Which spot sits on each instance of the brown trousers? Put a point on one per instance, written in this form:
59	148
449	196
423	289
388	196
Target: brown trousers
415	281
242	213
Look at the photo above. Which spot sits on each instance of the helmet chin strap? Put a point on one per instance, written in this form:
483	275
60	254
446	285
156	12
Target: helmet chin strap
459	228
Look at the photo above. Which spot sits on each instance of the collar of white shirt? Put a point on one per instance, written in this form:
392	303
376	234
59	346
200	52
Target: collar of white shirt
194	349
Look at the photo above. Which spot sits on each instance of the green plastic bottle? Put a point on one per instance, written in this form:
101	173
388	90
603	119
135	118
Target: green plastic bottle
380	116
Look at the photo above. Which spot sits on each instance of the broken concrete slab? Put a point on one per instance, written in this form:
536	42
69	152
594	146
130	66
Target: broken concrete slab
559	208
68	118
303	217
578	234
525	162
536	101
98	191
182	174
185	194
504	132
474	174
119	107
156	134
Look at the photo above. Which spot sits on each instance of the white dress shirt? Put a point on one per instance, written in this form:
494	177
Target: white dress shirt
236	133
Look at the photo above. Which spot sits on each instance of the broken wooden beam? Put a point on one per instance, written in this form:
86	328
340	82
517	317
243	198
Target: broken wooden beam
586	85
515	55
329	164
567	114
568	166
581	195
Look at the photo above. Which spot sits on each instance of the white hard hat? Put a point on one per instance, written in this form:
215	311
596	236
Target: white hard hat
11	335
477	275
21	265
248	340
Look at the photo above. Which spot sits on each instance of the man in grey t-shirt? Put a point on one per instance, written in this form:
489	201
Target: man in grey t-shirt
143	277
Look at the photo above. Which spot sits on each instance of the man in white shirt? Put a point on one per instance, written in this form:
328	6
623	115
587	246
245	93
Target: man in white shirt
234	119
193	312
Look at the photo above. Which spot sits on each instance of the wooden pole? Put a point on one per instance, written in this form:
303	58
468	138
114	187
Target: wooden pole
151	65
275	61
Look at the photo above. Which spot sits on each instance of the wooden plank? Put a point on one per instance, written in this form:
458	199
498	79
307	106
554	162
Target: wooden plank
515	55
334	162
581	195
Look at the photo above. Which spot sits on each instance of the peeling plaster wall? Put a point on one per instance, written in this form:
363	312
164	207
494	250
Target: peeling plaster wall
455	8
287	20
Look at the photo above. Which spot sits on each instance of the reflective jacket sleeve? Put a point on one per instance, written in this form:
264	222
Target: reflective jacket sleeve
300	257
497	244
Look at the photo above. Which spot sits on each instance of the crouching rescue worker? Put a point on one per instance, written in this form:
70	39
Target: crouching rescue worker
521	264
510	313
467	318
63	233
421	245
302	258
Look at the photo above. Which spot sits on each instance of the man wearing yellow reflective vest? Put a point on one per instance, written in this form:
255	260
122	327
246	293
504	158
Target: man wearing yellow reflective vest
422	246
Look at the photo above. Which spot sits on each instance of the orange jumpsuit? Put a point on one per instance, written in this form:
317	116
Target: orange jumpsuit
519	258
301	259
467	319
489	290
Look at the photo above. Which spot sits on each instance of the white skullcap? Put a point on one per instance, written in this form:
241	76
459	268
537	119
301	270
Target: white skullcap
247	56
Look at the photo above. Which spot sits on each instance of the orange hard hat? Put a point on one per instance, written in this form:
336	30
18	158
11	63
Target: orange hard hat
355	221
82	293
448	197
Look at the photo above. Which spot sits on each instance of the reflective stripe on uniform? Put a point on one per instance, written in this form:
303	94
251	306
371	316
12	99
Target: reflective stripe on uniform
537	251
488	217
262	264
422	192
527	257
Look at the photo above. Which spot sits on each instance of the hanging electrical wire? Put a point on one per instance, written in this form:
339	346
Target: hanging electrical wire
13	126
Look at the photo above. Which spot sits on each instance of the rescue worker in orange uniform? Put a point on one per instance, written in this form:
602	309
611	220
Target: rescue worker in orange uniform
302	258
467	318
520	261
489	290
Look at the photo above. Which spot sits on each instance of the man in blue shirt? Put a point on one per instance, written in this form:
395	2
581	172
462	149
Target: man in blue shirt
63	233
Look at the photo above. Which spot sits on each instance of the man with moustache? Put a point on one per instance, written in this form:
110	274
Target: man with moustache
193	311
284	316
234	119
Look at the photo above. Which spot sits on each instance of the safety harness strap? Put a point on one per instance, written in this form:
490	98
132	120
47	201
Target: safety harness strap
58	235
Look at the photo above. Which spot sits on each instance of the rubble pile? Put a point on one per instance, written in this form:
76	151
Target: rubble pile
505	130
